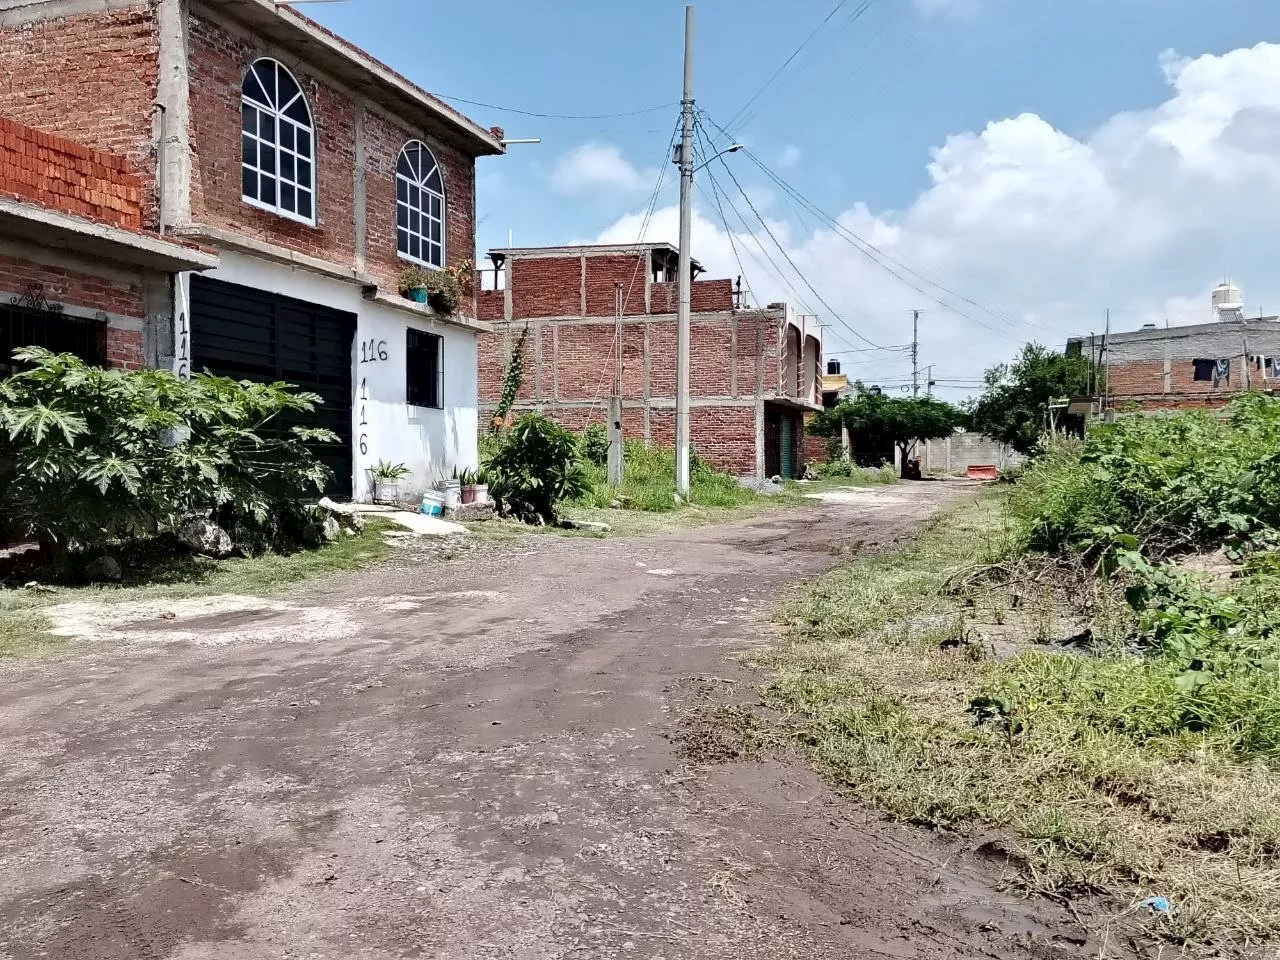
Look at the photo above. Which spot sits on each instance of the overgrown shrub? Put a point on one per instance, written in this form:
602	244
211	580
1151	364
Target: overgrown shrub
1171	483
649	482
595	444
90	455
535	466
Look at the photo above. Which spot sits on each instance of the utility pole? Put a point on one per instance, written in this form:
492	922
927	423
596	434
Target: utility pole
685	160
928	380
615	459
915	353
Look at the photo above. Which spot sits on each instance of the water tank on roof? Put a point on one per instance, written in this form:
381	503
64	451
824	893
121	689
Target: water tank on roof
1228	302
833	368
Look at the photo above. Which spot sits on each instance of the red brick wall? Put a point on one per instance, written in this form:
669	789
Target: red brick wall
491	304
725	437
711	359
124	348
1145	379
91	79
219	60
603	272
384	139
73	288
704	296
546	287
51	171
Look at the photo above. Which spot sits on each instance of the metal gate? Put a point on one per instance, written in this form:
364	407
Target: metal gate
787	446
31	321
248	334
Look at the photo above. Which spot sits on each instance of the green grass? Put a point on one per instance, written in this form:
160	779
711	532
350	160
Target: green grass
23	628
875	683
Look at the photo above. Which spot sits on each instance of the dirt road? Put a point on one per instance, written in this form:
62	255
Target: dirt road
472	759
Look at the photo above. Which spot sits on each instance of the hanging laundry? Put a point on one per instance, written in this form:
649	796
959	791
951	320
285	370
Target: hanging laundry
1221	371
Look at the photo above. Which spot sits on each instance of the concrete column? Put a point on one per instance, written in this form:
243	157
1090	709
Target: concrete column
359	195
537	362
733	353
582	285
173	114
760	439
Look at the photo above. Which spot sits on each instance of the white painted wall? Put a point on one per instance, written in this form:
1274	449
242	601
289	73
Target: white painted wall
432	443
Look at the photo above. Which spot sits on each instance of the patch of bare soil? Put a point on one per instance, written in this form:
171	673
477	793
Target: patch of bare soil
476	758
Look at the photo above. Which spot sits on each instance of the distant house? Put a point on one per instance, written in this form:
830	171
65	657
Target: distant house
600	318
308	172
1201	365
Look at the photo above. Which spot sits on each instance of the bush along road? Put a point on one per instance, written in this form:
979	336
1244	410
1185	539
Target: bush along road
1086	662
549	750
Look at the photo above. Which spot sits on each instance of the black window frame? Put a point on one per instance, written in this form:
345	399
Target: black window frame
1202	370
424	362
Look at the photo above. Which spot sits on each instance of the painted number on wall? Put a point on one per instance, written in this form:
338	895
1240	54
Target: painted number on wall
182	357
371	351
364	422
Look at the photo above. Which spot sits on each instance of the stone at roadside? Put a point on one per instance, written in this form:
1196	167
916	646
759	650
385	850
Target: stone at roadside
347	515
465	512
765	486
104	569
593	526
616	505
330	529
201	535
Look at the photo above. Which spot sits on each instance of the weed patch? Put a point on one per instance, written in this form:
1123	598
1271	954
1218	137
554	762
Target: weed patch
890	684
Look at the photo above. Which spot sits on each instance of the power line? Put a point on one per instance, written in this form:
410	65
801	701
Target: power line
795	53
781	249
557	116
873	253
856	14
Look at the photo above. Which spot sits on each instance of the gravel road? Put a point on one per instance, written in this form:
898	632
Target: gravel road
478	758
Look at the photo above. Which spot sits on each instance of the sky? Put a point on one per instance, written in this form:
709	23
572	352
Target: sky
1013	169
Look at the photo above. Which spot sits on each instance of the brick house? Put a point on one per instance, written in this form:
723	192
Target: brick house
315	174
78	273
1196	365
754	373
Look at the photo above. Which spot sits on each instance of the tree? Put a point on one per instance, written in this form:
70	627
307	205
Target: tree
1014	408
873	418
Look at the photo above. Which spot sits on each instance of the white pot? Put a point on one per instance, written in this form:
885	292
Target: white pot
386	491
452	497
482	493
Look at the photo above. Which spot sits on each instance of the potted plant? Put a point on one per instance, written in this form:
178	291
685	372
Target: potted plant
444	291
480	489
386	480
469	480
414	283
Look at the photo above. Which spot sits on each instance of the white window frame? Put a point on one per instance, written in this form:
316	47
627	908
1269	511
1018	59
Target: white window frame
424	214
277	113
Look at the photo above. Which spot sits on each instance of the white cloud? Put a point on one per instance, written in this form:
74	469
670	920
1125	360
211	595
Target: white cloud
598	166
789	156
1046	230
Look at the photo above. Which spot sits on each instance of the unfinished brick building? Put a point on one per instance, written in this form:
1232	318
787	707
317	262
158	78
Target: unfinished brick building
1201	365
754	373
311	172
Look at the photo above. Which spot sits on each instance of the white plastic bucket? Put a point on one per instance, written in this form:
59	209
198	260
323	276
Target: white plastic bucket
452	497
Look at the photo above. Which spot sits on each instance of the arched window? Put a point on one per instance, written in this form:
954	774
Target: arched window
277	143
419	206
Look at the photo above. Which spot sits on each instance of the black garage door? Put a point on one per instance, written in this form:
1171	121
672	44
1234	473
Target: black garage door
251	335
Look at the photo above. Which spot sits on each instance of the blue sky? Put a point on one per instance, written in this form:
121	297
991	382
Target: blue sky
1040	108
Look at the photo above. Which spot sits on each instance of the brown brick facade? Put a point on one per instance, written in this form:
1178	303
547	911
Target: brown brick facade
89	78
74	288
219	61
51	171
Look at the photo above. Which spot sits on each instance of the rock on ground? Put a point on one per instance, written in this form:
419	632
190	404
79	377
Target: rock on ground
201	535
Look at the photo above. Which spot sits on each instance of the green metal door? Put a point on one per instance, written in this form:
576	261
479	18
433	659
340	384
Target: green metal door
787	441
